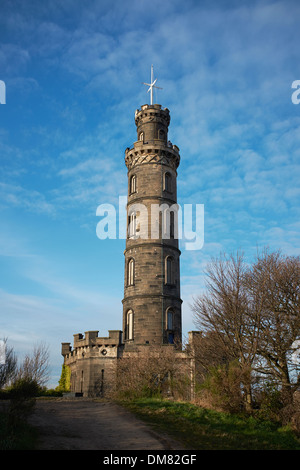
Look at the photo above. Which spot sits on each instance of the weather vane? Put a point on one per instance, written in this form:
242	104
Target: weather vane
152	85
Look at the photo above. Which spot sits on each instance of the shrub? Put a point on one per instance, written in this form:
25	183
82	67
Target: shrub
22	400
153	372
64	383
224	387
44	392
269	402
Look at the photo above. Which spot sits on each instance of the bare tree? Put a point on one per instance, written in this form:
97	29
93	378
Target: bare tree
207	352
251	313
275	280
35	367
223	314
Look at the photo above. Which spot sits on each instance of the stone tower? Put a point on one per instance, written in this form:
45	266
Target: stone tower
152	304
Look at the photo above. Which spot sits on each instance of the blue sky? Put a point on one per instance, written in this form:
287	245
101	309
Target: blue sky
73	72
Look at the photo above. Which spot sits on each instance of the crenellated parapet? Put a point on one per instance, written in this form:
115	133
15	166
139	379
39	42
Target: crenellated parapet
91	345
153	121
152	153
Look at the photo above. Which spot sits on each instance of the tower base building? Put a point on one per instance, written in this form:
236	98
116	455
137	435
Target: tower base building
93	363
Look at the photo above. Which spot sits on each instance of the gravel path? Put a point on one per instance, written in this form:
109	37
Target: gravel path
91	425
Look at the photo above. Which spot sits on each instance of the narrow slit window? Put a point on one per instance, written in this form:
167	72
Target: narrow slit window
169	266
171	224
167	182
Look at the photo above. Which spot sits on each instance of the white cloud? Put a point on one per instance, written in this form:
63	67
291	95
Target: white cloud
26	199
13	57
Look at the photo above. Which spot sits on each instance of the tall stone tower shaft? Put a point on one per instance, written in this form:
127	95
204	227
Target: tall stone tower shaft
152	304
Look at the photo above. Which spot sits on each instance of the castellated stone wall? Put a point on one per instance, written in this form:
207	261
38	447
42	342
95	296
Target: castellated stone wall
93	362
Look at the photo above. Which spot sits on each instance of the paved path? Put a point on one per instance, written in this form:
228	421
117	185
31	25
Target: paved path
90	425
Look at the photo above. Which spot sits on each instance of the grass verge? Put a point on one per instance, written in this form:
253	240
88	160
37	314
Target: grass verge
202	429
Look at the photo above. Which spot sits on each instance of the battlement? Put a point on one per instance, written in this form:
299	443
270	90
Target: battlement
91	341
153	109
152	122
152	112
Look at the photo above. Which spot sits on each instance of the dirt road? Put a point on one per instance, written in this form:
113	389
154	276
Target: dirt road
90	425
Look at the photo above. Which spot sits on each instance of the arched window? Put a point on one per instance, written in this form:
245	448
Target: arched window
168	218
167	182
132	185
130	272
170	325
141	137
170	319
169	270
132	225
129	325
161	134
171	224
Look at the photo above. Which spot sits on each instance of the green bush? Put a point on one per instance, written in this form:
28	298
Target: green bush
64	384
24	388
270	402
22	400
223	386
44	392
